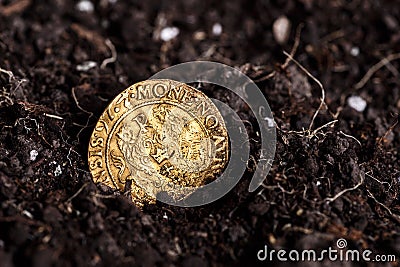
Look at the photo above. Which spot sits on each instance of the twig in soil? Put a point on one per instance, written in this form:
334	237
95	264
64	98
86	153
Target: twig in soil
381	139
96	195
315	80
331	199
113	57
15	7
352	137
333	36
53	116
300	229
77	192
93	37
374	69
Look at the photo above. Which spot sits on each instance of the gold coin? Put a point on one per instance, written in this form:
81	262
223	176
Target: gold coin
164	136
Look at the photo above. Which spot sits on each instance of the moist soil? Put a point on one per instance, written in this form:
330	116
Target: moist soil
339	179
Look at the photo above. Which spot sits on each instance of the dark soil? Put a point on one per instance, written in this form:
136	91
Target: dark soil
53	215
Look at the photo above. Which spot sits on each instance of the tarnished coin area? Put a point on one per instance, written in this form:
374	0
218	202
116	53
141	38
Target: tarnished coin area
165	136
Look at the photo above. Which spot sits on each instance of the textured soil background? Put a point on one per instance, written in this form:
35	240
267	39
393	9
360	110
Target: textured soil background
342	181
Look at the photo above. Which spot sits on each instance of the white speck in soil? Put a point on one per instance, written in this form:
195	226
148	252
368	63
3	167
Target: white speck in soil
33	154
85	66
270	122
57	171
27	214
217	29
85	6
318	183
354	51
357	103
165	216
169	33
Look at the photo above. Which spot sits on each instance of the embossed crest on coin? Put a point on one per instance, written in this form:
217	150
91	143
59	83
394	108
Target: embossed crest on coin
164	136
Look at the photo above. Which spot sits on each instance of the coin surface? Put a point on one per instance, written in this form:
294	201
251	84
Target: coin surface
164	136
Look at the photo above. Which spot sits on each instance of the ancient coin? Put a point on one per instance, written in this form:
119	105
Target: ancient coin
162	136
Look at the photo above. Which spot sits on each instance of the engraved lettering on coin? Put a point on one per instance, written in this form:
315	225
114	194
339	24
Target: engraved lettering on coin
165	136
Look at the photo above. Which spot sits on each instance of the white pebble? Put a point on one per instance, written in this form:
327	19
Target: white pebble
217	29
281	29
85	6
169	33
318	183
357	103
270	122
354	51
58	171
27	214
33	154
85	66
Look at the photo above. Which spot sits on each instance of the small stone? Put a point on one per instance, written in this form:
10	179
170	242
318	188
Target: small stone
199	36
169	33
281	29
217	29
57	171
270	122
357	103
354	51
33	154
87	65
85	6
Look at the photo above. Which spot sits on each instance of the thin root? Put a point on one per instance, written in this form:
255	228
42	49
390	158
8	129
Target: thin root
9	73
84	110
315	80
77	192
384	62
331	199
352	137
295	46
292	53
113	57
381	139
380	203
